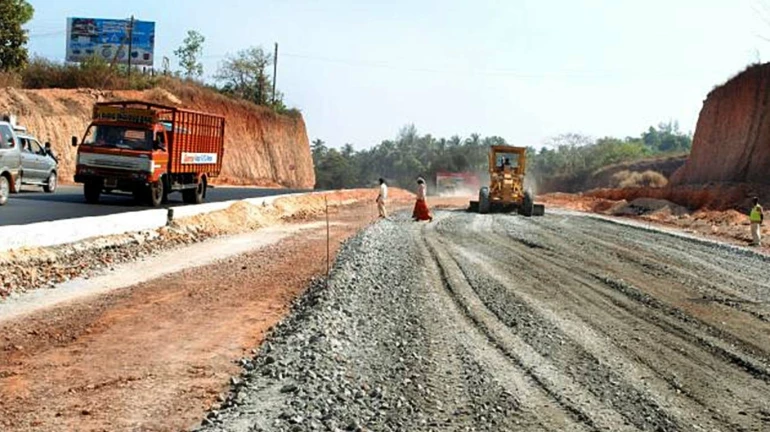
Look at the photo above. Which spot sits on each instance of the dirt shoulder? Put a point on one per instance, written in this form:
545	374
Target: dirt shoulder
157	355
728	226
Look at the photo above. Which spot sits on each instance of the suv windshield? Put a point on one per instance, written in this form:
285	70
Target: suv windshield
119	137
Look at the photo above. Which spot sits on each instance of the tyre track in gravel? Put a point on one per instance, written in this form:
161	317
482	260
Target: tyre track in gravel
480	338
573	393
544	283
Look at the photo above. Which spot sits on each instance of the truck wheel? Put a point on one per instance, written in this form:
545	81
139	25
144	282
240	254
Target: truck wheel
527	205
91	190
194	196
5	189
156	192
484	202
50	186
17	183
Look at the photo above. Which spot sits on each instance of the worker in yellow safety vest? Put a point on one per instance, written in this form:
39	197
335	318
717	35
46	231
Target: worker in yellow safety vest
756	217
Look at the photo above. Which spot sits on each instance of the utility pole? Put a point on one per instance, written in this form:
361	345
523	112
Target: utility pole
275	69
260	85
130	43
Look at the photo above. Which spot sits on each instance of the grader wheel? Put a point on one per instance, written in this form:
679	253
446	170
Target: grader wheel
484	202
527	205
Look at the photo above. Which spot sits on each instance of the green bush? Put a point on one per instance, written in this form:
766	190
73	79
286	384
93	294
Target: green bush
93	73
649	178
97	73
10	79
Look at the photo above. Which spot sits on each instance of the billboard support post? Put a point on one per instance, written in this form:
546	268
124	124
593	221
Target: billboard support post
130	42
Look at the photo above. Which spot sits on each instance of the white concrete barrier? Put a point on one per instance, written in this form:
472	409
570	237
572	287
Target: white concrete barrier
53	233
63	231
194	210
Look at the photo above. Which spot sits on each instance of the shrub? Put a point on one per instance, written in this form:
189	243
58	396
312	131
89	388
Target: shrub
99	74
649	178
10	79
94	72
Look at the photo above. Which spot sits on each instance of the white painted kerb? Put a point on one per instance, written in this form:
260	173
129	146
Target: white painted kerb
53	233
63	231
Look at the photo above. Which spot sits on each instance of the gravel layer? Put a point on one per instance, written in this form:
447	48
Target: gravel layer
506	323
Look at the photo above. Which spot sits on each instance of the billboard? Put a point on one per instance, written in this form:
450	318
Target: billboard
108	39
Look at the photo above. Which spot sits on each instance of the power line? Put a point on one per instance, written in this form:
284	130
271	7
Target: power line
47	34
389	66
447	70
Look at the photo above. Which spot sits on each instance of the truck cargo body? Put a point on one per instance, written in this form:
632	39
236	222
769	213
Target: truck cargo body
149	150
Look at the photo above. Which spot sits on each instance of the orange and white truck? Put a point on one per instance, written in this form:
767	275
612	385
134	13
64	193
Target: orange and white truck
149	150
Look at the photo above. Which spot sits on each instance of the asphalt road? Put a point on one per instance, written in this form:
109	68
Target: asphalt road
33	205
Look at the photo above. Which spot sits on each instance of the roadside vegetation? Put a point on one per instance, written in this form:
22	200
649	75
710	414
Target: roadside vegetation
568	157
245	75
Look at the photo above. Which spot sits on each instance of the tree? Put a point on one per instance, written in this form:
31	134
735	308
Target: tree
318	149
189	54
13	38
667	138
570	151
245	75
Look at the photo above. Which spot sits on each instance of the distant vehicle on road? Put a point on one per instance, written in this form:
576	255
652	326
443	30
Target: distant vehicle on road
149	150
38	167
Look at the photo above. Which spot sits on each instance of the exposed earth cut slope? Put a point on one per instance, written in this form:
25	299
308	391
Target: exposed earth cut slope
261	147
732	138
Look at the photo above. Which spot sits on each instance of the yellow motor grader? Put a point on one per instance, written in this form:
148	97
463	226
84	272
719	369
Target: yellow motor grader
506	191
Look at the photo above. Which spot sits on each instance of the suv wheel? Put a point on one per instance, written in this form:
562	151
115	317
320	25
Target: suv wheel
17	183
50	186
5	189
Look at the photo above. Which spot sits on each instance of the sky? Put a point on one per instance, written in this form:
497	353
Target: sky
525	70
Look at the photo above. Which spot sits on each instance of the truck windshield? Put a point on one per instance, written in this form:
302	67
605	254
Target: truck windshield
119	137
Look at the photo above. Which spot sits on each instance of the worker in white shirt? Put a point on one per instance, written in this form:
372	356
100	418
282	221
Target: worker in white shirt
381	199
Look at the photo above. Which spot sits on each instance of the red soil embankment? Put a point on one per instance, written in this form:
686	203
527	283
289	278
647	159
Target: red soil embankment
725	225
732	138
262	148
709	196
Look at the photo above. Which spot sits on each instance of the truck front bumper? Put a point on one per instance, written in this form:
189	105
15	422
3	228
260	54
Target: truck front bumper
113	179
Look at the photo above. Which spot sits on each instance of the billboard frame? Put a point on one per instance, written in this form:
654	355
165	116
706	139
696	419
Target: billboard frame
108	39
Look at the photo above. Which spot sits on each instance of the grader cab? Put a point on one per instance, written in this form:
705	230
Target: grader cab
506	191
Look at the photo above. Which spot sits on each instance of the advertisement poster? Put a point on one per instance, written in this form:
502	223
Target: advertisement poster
108	39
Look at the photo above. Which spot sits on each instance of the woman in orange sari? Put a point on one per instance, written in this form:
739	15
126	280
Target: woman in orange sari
421	211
